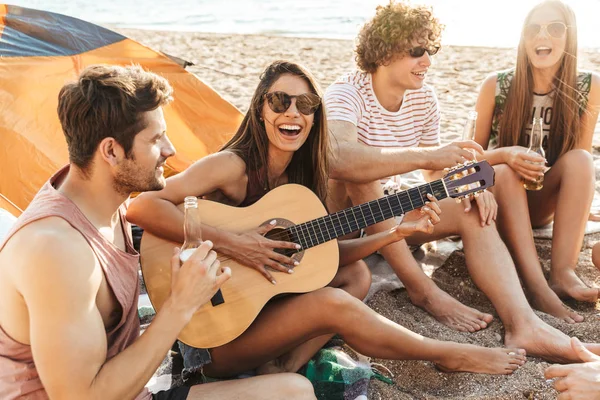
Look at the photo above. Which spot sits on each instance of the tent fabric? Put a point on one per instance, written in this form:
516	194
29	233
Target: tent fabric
40	52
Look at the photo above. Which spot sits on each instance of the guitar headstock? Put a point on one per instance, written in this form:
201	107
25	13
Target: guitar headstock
469	178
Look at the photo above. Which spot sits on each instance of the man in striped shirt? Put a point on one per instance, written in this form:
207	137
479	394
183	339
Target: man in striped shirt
385	121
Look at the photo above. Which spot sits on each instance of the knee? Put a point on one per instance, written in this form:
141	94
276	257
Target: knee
359	279
295	387
334	300
362	190
506	176
577	162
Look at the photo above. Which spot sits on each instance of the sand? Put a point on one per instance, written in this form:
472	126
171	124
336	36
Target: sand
231	64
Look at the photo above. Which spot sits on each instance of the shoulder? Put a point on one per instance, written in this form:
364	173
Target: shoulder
587	80
354	82
49	250
490	80
224	163
488	86
429	92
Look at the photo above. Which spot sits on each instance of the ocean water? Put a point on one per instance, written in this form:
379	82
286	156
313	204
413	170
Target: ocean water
468	22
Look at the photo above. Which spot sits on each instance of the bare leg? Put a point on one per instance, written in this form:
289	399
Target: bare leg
290	321
567	196
422	290
515	228
354	279
275	387
493	271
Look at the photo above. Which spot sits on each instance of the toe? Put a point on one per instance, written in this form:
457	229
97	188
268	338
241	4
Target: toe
577	318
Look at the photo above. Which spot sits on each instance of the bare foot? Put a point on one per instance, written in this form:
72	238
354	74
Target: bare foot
567	284
450	311
482	360
546	300
541	340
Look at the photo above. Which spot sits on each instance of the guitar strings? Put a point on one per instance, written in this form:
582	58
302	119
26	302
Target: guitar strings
403	204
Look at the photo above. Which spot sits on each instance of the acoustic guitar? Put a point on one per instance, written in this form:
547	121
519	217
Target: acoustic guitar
300	218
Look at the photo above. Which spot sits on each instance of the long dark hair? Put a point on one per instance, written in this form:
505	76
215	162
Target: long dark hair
564	130
309	166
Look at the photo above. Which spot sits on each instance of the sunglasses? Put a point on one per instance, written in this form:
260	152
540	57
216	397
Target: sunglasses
306	103
417	52
555	29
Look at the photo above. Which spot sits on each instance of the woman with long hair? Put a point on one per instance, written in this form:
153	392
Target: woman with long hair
284	139
545	83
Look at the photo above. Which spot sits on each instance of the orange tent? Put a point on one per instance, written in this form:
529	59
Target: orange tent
39	52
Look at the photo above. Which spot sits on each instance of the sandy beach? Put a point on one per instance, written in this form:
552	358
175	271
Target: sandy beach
231	64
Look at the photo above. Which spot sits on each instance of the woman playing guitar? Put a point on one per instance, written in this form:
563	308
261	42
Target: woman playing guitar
284	139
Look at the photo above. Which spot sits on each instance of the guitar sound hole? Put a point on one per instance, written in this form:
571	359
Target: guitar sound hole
281	234
284	235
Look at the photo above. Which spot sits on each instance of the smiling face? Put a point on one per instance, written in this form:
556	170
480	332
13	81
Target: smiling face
544	50
408	72
143	169
287	131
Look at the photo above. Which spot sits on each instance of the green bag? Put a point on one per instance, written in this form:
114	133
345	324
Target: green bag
337	376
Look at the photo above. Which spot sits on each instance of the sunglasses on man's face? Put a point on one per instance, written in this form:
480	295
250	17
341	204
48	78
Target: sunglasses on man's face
417	52
306	103
555	29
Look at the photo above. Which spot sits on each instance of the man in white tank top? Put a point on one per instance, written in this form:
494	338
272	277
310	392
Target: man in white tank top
386	122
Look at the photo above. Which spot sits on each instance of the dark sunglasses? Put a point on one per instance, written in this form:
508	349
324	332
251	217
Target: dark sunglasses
555	29
306	103
417	52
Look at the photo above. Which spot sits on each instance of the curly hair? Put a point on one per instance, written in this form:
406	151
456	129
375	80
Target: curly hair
392	30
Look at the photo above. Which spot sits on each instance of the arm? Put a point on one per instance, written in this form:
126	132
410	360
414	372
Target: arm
355	162
352	250
485	113
590	115
428	174
157	212
59	282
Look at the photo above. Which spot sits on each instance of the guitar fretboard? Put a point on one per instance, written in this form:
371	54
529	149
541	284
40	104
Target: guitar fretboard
332	226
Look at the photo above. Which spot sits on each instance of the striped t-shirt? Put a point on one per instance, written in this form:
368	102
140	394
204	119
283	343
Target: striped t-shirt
351	98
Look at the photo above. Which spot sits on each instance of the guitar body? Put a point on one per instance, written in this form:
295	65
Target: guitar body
247	292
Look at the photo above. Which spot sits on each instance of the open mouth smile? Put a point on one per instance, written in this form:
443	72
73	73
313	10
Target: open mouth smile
289	130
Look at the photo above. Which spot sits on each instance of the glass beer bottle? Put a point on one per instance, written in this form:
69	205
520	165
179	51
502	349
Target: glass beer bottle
535	146
469	128
192	229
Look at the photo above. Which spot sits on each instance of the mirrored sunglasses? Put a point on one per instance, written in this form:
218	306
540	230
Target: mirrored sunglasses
306	103
555	29
417	52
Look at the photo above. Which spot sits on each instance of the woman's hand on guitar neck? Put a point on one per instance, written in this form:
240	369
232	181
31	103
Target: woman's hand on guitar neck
254	250
421	220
